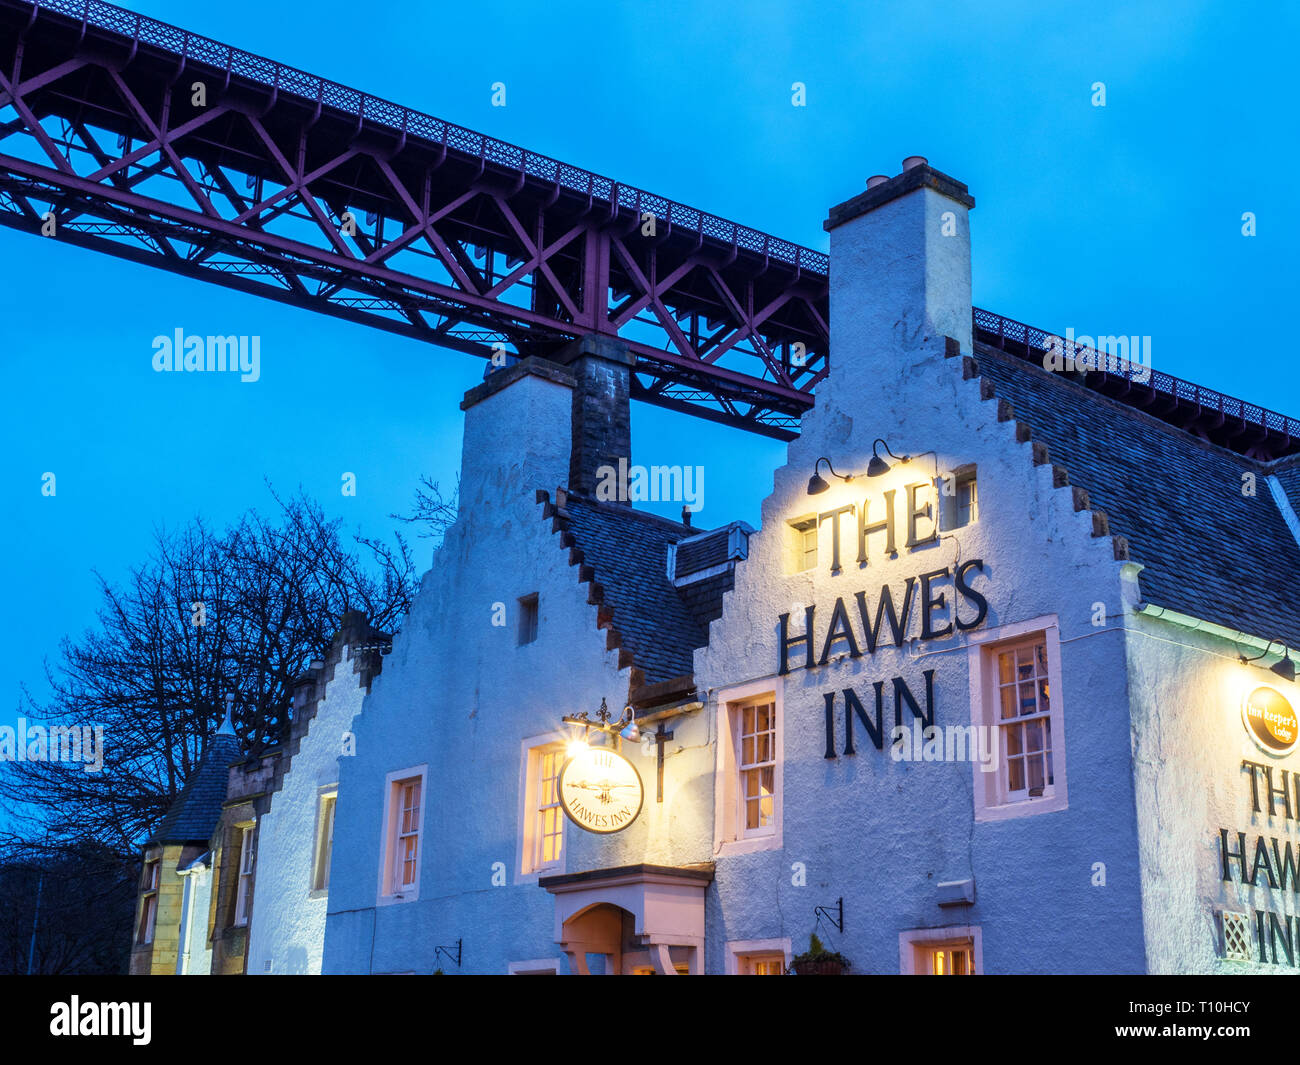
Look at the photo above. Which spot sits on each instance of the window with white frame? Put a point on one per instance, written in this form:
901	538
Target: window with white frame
543	819
749	770
1024	704
757	957
804	554
762	965
148	902
958	498
941	951
403	820
1016	693
244	884
756	763
320	877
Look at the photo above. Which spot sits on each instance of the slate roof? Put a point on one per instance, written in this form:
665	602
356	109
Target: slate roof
1209	550
624	556
197	809
702	550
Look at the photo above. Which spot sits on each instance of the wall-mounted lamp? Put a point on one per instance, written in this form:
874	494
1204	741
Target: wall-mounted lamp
816	486
877	465
1283	667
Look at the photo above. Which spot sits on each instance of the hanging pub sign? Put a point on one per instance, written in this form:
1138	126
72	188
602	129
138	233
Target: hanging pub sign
600	790
1270	720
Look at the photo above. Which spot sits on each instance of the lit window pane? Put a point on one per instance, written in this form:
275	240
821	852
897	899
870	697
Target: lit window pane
1008	703
1006	667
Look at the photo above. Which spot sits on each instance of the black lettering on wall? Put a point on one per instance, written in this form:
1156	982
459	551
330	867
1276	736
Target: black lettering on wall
787	641
883	607
840	629
970	595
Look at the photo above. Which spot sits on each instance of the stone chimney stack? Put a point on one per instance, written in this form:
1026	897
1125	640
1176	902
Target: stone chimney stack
547	423
900	273
602	418
517	434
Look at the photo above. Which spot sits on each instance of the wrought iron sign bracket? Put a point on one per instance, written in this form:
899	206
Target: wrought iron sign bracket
837	921
438	951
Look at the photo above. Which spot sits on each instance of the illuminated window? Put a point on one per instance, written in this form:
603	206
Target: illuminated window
747	812
244	885
527	619
543	835
408	835
758	957
756	762
403	818
148	903
941	951
1024	702
953	960
1017	705
320	880
805	544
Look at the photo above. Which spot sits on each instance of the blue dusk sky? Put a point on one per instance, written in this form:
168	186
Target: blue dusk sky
1123	219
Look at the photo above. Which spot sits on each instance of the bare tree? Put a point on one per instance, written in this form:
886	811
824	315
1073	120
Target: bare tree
241	611
430	509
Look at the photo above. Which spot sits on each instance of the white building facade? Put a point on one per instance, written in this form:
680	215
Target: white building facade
968	701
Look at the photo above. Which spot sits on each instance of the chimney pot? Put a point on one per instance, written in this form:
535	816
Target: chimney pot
914	161
686	517
877	179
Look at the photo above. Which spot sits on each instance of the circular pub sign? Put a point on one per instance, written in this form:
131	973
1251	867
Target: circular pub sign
1270	720
600	790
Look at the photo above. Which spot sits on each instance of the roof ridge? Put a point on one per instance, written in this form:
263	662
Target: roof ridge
1017	363
627	508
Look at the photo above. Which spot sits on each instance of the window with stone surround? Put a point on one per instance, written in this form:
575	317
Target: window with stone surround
244	884
148	902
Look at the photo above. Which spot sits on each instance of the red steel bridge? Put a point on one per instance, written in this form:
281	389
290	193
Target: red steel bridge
285	185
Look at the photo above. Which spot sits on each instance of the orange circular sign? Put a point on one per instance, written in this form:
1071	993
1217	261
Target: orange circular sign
1270	720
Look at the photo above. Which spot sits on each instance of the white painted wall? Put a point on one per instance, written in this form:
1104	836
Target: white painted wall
882	834
1189	743
288	924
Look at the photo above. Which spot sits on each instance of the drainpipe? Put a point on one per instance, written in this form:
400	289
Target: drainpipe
183	958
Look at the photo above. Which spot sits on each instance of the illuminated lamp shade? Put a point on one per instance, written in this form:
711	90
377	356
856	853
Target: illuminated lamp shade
576	747
816	484
878	466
